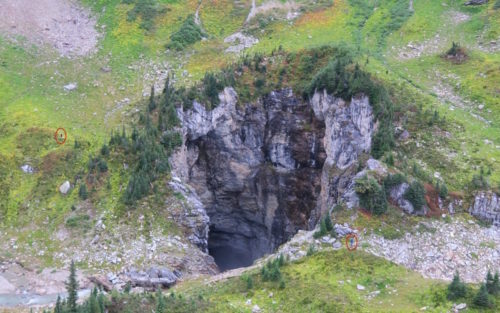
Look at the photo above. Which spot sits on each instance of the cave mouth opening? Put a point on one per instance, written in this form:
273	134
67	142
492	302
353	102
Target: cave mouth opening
228	257
232	250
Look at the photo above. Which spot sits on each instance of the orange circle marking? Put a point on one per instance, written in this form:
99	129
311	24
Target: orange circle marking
60	136
351	242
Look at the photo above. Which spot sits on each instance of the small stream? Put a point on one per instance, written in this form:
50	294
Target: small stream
12	300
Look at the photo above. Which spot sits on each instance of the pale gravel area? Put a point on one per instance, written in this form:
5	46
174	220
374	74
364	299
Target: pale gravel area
460	245
61	24
289	6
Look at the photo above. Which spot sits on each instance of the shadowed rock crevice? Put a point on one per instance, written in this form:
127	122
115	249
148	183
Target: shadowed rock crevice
259	169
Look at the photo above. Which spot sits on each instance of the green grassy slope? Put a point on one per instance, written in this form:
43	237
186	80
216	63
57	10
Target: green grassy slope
327	281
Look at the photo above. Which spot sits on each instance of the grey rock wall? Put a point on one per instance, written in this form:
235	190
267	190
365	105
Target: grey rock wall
486	206
266	169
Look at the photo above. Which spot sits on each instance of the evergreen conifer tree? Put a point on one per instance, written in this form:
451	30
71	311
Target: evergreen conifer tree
456	289
160	302
489	282
496	284
105	150
93	304
492	283
100	300
152	103
443	191
82	192
160	121
72	288
328	222
481	299
322	227
58	308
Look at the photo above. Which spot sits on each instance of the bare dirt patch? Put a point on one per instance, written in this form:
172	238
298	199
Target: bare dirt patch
62	24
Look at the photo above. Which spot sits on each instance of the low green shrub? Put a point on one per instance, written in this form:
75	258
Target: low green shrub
147	10
393	180
325	226
371	195
416	194
271	271
188	34
77	221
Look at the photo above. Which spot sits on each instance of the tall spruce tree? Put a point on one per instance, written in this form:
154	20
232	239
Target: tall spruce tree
152	103
72	288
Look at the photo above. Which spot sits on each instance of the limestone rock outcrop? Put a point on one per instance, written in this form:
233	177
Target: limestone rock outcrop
486	206
193	217
266	169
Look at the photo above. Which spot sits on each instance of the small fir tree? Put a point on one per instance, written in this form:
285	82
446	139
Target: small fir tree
93	303
160	302
481	299
104	150
492	283
496	284
82	192
456	289
58	308
328	222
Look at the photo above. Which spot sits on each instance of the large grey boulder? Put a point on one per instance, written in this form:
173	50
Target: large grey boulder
343	230
486	206
65	187
152	278
397	195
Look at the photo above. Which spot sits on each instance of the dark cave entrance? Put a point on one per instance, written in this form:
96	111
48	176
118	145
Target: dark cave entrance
232	249
227	255
258	173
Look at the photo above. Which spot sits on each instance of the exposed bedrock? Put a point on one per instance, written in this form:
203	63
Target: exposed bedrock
486	206
267	169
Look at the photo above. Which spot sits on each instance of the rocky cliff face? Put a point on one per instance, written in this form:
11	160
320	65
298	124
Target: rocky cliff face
349	128
486	206
267	169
